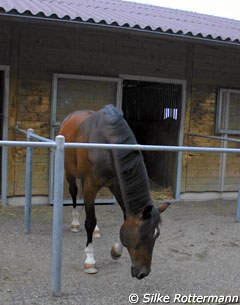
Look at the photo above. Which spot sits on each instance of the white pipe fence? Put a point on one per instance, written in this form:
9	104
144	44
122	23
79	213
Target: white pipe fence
59	146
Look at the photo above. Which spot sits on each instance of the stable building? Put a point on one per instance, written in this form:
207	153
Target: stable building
173	74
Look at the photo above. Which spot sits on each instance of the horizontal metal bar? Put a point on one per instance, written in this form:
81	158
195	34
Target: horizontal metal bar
31	134
97	201
19	130
151	147
215	138
27	144
37	137
121	146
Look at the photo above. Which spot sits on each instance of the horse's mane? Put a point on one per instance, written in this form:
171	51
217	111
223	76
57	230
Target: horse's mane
129	164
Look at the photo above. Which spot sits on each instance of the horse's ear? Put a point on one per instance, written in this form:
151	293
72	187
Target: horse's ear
163	207
147	212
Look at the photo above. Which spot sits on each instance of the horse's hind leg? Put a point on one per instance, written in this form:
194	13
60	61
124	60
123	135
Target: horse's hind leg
73	190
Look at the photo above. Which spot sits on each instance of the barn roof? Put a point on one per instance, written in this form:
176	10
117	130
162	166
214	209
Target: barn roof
130	15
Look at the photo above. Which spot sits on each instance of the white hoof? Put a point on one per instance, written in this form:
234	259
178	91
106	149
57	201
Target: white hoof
90	269
96	232
75	228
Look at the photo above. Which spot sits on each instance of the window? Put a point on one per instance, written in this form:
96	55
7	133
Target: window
228	111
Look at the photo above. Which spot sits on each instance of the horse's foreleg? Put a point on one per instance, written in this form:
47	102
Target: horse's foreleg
73	190
117	248
90	263
90	224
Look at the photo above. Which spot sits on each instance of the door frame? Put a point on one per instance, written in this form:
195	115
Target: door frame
183	83
4	190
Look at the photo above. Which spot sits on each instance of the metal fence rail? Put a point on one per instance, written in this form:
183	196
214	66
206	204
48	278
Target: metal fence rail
59	146
28	172
214	137
28	144
152	147
31	135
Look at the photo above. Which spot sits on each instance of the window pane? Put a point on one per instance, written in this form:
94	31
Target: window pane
223	112
234	112
228	112
74	94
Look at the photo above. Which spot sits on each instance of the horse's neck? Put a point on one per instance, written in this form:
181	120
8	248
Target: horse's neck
133	180
129	165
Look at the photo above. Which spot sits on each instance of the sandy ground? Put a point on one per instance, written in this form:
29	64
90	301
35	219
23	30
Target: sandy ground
198	253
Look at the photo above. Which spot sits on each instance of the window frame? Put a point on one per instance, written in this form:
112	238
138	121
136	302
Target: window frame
219	118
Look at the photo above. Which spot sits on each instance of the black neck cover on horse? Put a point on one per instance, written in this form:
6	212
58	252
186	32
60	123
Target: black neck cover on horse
129	164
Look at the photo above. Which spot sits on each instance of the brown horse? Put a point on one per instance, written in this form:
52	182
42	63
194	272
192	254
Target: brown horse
123	172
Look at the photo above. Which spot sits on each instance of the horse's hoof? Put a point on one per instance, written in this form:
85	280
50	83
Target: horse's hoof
114	254
96	233
75	228
90	269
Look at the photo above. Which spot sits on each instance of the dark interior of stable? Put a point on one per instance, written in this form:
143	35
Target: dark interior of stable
1	118
153	111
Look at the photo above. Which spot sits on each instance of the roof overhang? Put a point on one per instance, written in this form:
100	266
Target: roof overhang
28	17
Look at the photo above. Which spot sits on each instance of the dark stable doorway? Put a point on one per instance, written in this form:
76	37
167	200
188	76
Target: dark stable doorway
153	111
1	121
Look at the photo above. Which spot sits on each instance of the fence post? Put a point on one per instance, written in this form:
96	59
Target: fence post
28	184
57	216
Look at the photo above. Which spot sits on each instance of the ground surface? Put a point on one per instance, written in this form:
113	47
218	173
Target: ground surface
198	252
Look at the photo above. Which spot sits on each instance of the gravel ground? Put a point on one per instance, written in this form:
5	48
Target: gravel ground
198	253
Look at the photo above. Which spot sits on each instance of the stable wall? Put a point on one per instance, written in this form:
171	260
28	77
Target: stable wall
213	67
43	50
36	51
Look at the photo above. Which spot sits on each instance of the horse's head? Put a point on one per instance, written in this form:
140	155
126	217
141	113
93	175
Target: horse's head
138	234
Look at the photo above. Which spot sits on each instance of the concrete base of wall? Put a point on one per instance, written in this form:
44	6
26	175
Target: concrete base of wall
208	196
20	200
43	200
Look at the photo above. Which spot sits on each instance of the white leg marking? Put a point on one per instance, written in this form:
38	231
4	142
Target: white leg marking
75	227
97	232
90	263
116	250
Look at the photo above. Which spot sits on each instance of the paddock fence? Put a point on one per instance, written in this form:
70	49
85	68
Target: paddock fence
58	146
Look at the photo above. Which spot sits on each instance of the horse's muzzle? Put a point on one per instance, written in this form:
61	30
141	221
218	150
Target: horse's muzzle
139	273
